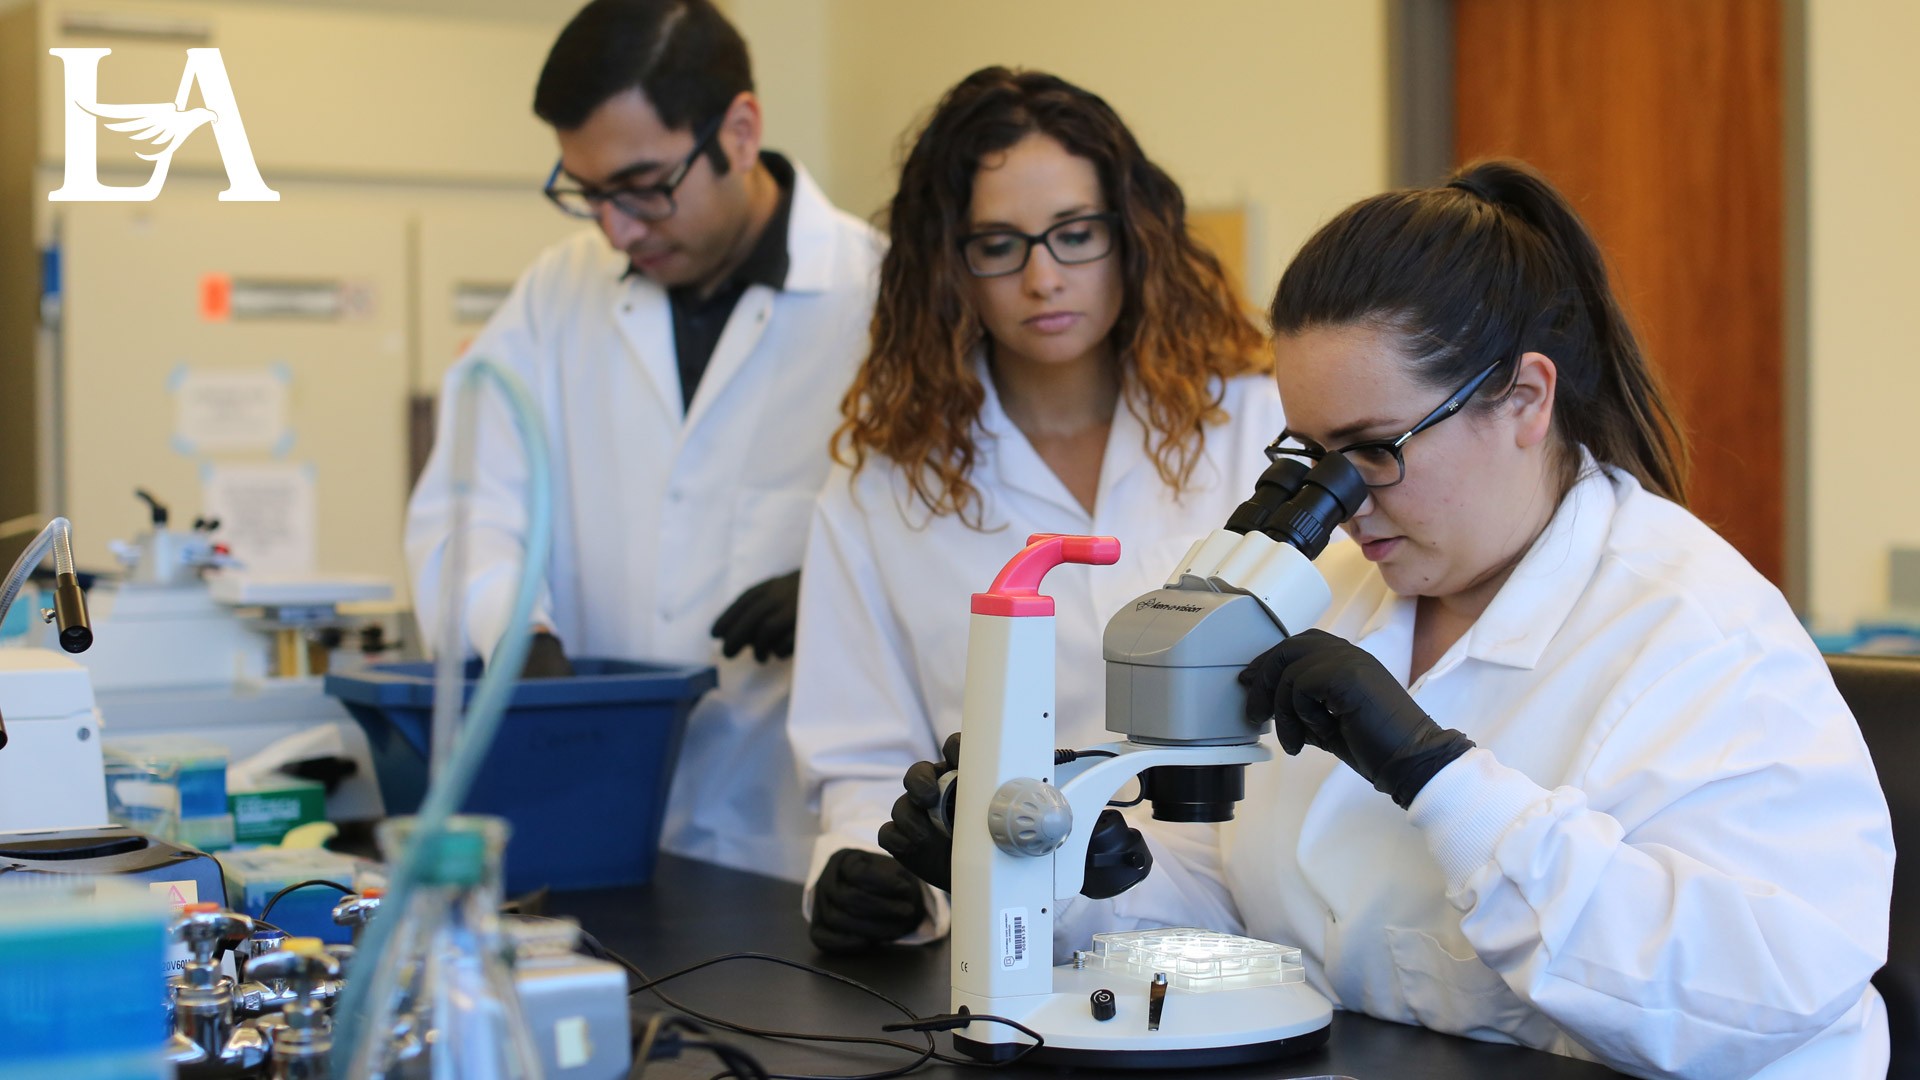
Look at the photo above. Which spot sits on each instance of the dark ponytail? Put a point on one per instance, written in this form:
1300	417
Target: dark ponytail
1490	266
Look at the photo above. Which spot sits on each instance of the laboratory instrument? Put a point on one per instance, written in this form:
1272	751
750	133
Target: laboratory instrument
194	644
273	1020
1179	998
50	764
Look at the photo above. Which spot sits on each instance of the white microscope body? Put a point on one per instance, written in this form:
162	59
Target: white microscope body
1022	824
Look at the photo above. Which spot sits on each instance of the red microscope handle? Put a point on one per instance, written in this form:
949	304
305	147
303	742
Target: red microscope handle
1016	592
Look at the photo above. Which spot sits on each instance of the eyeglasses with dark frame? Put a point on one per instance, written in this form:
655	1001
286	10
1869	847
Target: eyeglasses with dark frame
999	252
1380	461
651	203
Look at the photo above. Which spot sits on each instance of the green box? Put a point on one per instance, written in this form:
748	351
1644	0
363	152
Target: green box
266	815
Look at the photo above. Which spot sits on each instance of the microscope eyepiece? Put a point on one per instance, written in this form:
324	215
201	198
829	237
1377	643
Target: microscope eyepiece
1278	484
1328	495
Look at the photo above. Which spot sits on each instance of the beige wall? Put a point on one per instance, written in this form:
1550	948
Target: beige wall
1277	104
1863	180
330	92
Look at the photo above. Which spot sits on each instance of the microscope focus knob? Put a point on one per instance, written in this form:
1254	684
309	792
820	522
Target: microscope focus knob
1028	817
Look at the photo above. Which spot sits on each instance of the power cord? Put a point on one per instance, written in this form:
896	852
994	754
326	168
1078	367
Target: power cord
345	890
923	1025
260	922
661	1039
1061	757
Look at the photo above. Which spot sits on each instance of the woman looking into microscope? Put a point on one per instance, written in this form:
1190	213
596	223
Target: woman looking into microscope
1560	768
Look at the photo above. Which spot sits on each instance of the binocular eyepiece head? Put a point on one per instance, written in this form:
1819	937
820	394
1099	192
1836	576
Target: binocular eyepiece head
1301	505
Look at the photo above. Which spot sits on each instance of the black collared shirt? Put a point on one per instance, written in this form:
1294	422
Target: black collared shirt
697	322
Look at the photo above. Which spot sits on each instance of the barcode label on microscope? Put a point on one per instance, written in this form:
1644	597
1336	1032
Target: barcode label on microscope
1013	938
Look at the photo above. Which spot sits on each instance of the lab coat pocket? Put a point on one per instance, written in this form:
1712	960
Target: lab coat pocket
1460	995
769	536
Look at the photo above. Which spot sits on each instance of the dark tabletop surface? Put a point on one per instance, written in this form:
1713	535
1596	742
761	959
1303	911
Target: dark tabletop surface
692	911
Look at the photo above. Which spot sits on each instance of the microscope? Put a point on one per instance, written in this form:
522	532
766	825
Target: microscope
1174	998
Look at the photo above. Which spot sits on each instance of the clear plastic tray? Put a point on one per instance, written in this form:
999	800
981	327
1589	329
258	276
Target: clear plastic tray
1196	960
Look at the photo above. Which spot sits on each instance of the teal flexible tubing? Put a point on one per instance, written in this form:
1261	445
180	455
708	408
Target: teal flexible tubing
355	1037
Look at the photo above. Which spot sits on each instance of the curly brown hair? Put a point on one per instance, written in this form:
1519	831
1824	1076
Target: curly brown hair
1181	331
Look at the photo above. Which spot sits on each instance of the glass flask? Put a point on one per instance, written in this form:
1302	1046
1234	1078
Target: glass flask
444	993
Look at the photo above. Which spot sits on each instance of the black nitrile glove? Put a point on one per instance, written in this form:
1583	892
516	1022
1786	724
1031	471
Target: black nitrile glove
911	836
1117	855
763	617
864	900
546	659
1327	692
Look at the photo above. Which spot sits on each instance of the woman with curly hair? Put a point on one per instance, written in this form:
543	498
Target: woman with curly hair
1052	351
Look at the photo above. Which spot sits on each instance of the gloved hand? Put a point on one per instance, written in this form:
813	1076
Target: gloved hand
1327	692
546	659
1117	855
763	617
911	836
864	900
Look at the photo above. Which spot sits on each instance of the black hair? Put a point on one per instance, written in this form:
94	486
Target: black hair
1493	264
683	55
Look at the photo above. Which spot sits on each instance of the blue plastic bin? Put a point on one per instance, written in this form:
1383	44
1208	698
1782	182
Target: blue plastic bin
580	766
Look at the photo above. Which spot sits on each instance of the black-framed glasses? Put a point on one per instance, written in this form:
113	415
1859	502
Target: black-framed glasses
1380	461
999	252
651	203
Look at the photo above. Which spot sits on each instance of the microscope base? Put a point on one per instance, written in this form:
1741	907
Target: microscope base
1227	1027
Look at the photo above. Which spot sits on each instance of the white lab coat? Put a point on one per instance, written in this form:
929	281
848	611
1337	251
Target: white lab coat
885	601
1670	852
663	518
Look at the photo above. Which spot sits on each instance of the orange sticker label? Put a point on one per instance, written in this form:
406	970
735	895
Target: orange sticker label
216	297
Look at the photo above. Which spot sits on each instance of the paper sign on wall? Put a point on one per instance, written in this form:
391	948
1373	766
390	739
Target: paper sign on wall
268	515
230	408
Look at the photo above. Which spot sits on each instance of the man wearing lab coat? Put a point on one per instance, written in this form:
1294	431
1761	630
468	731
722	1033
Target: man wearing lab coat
688	357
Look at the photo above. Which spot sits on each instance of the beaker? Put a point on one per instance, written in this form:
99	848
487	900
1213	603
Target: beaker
443	997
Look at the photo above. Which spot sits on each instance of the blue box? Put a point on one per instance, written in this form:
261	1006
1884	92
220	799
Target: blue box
81	991
257	876
580	766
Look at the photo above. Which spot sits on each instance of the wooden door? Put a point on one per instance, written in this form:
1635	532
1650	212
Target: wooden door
1663	121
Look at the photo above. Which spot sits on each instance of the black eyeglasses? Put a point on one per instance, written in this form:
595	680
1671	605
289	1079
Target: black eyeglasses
651	203
1379	461
999	252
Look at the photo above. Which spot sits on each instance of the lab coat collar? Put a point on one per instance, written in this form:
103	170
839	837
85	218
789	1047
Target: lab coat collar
641	309
812	238
1019	466
1387	605
1529	610
1126	442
